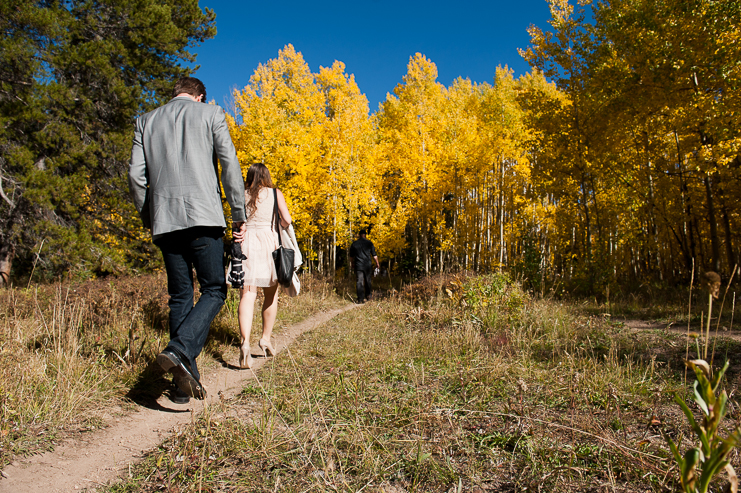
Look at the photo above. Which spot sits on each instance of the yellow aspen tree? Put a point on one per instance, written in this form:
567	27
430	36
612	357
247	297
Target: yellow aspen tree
279	121
408	124
679	81
576	149
507	166
461	143
347	156
650	131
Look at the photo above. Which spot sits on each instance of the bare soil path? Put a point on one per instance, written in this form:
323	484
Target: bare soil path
640	325
96	458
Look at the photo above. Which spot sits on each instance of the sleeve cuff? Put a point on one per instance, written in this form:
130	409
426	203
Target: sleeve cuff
238	216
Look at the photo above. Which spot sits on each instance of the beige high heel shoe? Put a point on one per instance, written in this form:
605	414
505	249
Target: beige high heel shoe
267	348
245	358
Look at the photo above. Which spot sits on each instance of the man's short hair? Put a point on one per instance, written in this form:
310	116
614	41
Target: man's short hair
362	232
190	85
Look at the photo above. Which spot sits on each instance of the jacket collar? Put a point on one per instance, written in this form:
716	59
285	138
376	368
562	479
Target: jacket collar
182	98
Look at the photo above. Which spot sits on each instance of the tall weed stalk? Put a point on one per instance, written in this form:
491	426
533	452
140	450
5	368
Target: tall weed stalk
701	463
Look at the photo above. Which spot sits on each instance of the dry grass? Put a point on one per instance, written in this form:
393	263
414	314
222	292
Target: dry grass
480	390
73	355
68	352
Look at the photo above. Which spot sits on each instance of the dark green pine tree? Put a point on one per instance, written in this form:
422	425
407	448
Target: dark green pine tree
73	77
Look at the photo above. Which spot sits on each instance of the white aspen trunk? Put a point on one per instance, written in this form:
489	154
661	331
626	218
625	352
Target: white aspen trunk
311	249
475	227
425	246
571	257
347	250
455	213
333	253
480	225
543	260
501	217
415	240
489	224
6	263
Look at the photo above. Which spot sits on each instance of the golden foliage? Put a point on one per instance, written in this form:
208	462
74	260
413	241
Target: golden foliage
618	155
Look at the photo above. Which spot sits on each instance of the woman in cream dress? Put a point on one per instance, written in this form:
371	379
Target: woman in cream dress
259	238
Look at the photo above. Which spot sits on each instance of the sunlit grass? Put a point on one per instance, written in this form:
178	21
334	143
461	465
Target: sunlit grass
72	355
502	394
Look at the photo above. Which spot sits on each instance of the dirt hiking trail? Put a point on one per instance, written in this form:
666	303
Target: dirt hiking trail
642	325
94	459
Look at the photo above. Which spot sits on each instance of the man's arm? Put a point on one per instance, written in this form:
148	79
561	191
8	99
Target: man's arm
138	177
231	172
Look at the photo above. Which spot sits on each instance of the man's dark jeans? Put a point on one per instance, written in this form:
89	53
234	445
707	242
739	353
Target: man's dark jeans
202	248
364	285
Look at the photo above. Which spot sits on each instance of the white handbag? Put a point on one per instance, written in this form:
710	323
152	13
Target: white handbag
288	236
295	288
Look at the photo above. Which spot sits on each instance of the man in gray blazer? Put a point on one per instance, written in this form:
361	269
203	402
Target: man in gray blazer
173	179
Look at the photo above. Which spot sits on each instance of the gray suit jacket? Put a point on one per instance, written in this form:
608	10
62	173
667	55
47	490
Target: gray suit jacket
173	174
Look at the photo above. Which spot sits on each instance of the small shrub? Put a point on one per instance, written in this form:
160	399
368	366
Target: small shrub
492	290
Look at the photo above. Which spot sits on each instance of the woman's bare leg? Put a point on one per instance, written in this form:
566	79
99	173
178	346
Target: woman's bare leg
245	312
269	313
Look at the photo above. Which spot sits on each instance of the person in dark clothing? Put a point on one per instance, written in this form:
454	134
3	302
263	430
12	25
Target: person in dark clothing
174	183
362	254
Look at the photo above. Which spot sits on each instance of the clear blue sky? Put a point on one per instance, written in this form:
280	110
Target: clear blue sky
374	38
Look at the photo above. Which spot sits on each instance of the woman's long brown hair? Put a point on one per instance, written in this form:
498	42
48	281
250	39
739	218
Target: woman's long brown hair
258	177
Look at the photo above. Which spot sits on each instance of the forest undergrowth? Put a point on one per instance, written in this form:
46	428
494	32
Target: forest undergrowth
449	384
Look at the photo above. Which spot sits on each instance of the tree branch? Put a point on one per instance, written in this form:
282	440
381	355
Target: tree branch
2	194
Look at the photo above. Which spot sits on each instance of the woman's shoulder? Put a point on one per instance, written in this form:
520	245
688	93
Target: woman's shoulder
261	194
